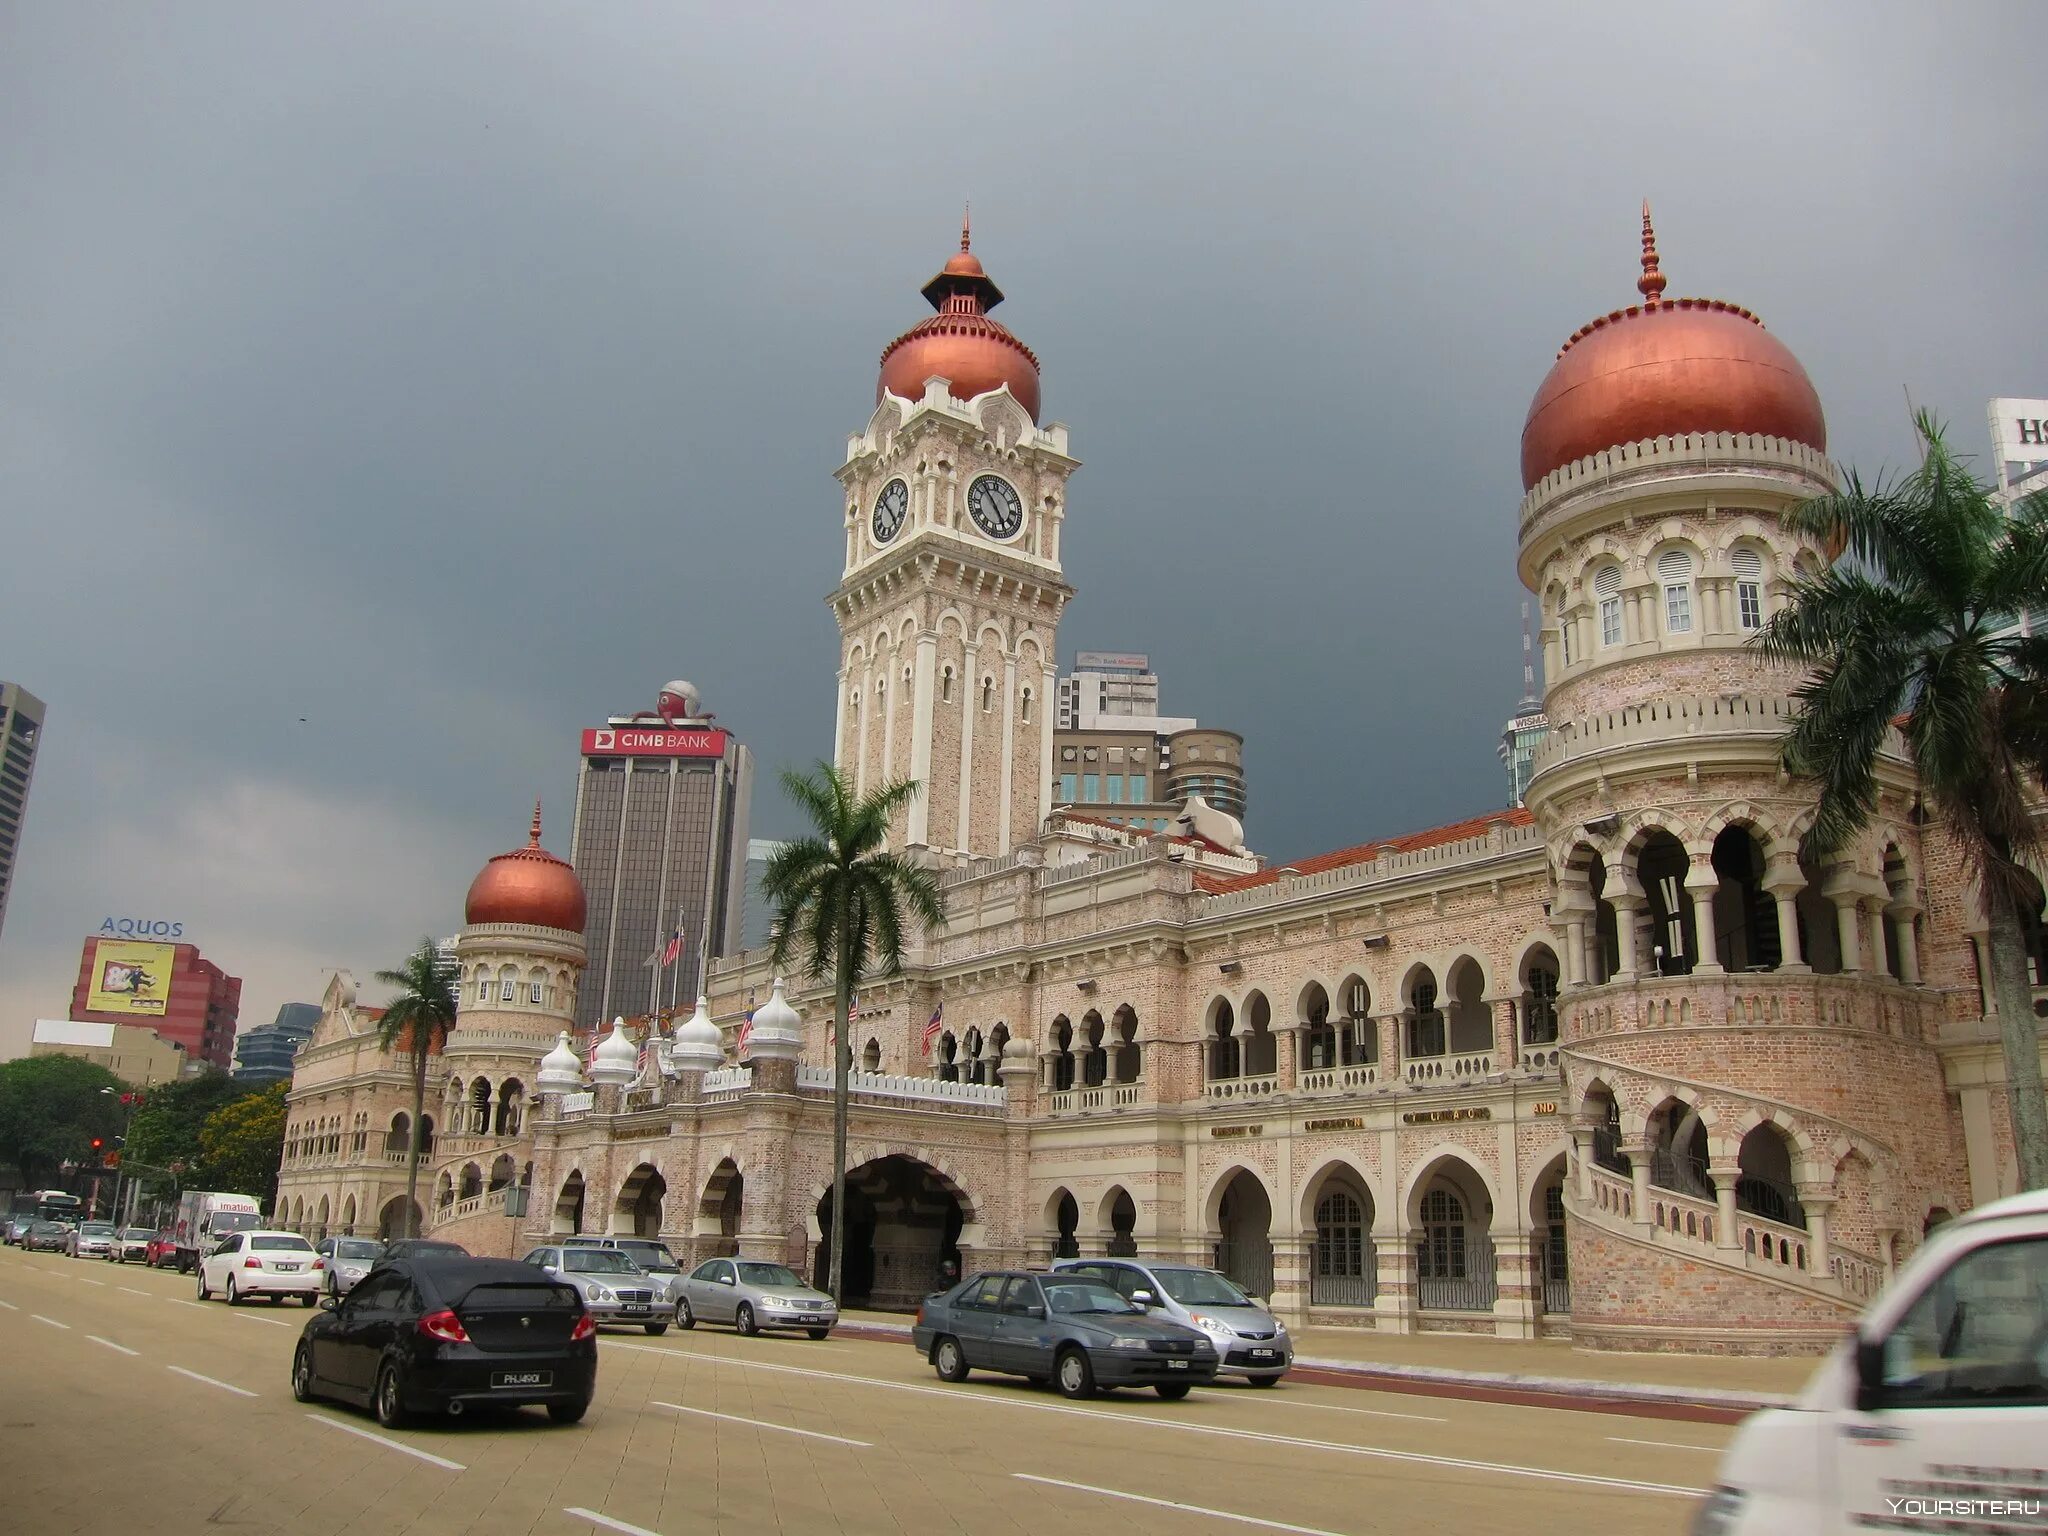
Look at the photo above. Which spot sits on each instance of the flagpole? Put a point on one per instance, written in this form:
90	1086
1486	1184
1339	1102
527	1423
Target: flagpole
675	979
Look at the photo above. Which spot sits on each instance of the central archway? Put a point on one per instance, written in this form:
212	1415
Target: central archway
903	1221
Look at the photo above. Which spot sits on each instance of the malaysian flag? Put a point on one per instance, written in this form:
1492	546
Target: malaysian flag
932	1027
674	950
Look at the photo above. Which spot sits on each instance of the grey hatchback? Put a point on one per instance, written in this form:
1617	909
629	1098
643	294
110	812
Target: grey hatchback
1071	1330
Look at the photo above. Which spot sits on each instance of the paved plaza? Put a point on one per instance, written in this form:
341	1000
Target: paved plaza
131	1406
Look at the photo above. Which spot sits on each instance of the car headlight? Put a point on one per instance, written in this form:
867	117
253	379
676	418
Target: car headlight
777	1301
1716	1516
1208	1324
1126	1343
599	1293
1279	1328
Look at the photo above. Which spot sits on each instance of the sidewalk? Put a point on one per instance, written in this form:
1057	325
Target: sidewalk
1509	1369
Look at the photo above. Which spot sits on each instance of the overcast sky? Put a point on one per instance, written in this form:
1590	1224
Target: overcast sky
453	375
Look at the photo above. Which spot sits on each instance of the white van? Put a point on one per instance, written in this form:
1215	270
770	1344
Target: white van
1931	1416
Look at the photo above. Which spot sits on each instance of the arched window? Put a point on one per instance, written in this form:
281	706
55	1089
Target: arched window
1749	587
1024	708
988	695
508	983
1426	1020
1441	1255
1607	587
1539	1002
853	710
1344	1271
536	986
1674	570
946	684
483	985
871	1056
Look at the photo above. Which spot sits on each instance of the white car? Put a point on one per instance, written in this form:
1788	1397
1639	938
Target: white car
259	1263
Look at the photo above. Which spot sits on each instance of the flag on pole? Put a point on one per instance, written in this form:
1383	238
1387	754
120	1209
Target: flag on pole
832	1029
746	1025
931	1028
674	950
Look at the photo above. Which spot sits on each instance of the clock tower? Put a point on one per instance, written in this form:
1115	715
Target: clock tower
950	603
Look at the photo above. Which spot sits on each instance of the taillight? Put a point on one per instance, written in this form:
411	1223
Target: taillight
445	1326
319	1263
252	1262
584	1329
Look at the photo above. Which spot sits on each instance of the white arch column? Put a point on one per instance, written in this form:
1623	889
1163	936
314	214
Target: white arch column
1782	878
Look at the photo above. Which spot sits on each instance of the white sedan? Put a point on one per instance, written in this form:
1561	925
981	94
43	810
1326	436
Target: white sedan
273	1264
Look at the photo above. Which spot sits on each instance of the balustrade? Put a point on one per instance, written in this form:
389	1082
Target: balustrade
1433	1069
1685	1216
1339	1079
1225	1088
1859	1275
1612	1192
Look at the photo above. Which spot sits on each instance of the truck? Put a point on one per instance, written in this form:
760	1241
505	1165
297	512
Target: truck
1932	1415
204	1218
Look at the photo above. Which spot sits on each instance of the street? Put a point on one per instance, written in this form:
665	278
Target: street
132	1406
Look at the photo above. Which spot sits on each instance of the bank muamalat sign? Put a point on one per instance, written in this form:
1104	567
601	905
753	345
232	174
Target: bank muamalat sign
644	741
141	928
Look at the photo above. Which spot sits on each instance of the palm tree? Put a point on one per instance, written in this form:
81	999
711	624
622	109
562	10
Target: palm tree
1919	619
842	900
420	1017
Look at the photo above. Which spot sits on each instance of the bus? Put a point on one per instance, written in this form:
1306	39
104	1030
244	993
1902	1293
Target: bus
49	1205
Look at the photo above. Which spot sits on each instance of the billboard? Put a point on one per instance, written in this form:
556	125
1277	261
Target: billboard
2019	437
128	977
657	741
1121	661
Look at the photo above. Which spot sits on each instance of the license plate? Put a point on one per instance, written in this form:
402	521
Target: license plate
1176	1365
635	1308
522	1378
1265	1354
285	1269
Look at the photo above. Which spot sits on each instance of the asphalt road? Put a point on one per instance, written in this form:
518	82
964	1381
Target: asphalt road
127	1406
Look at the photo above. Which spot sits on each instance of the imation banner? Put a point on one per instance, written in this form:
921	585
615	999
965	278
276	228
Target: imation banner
130	978
656	741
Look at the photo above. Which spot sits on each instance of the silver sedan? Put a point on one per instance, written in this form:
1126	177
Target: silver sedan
754	1296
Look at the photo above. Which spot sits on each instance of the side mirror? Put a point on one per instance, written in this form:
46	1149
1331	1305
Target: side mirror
330	1304
1869	1374
1142	1298
1036	1314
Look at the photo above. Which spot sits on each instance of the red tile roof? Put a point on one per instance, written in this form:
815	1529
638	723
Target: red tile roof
1472	826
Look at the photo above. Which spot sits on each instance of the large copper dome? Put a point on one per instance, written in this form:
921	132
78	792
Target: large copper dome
1662	368
528	885
960	344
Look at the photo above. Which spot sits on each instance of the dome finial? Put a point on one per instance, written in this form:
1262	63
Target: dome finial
533	837
965	237
1651	284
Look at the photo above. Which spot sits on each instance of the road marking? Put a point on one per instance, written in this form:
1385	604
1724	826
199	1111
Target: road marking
88	1280
123	1348
179	1301
132	1291
251	1318
1371	1413
396	1445
1191	1509
609	1523
1371	1452
211	1382
1668	1445
10	1306
733	1418
51	1321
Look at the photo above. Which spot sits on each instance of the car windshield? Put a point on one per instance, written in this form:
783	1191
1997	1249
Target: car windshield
653	1257
137	1235
422	1248
1200	1288
596	1261
97	1229
768	1274
233	1221
358	1248
1082	1295
280	1244
46	1228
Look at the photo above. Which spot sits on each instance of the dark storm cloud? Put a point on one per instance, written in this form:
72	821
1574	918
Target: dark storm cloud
451	376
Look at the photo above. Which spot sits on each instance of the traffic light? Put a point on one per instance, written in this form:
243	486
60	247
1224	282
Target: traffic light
98	1143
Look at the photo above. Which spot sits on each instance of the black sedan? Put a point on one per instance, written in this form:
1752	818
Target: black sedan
1071	1330
445	1335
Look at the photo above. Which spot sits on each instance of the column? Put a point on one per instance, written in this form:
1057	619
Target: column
1575	951
1517	1302
917	826
1902	913
1048	705
1818	1202
1507	1047
1849	923
970	707
1009	751
1639	1171
1701	883
1724	1176
1289	1300
1394	1281
1627	906
865	712
1389	1027
1784	881
1286	1052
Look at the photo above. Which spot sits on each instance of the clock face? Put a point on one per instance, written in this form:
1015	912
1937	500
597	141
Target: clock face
890	509
995	506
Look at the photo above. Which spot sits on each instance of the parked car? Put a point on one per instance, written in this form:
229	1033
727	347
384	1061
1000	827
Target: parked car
1252	1341
130	1243
754	1296
614	1290
348	1259
1071	1330
45	1237
424	1248
260	1263
163	1248
90	1240
14	1230
652	1258
439	1334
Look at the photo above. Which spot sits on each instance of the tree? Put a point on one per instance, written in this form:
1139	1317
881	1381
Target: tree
1919	619
842	900
417	1021
165	1130
51	1108
241	1143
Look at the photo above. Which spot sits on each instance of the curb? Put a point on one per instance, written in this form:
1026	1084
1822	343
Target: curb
1707	1405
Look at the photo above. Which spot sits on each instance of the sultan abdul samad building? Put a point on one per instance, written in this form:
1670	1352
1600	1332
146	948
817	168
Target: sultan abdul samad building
1628	1065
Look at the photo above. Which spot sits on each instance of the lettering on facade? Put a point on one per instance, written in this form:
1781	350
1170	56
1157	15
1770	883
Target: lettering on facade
2033	433
1543	1109
141	928
1347	1123
1444	1116
1221	1131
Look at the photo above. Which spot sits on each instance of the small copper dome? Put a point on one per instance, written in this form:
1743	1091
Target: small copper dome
960	344
1666	367
528	885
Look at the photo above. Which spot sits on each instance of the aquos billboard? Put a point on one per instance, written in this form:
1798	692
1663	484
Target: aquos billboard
652	741
130	977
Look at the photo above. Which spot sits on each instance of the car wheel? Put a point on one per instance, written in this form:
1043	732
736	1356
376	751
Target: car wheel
817	1333
389	1406
568	1413
234	1300
204	1293
948	1359
1073	1375
309	1300
743	1320
1262	1381
657	1329
302	1375
685	1318
1172	1391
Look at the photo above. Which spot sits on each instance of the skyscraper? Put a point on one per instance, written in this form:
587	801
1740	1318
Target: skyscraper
21	723
264	1054
661	842
1527	726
